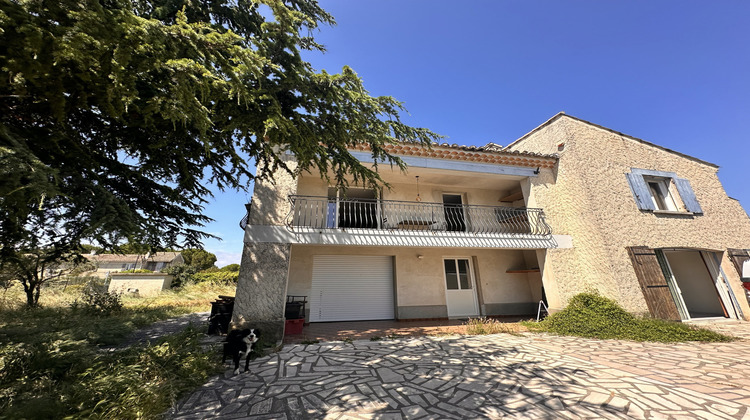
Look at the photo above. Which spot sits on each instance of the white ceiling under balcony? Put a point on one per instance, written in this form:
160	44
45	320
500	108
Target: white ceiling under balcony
450	178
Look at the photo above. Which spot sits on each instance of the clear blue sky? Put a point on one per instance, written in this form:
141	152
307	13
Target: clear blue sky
675	73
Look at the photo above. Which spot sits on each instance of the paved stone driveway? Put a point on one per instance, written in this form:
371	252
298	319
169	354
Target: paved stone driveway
526	376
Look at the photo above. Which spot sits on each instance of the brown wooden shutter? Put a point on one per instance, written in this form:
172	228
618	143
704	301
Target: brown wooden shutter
653	284
738	257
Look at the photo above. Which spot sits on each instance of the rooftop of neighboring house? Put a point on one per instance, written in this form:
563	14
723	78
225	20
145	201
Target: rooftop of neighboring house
131	258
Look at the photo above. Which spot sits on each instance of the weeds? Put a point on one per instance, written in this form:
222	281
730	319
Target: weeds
310	342
51	367
140	382
484	325
376	338
98	303
594	316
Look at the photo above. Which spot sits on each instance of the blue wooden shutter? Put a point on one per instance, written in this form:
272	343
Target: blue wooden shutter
640	191
687	195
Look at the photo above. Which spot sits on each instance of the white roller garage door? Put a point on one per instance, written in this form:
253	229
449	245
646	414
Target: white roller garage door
351	288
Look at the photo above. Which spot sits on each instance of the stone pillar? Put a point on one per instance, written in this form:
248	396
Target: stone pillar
261	288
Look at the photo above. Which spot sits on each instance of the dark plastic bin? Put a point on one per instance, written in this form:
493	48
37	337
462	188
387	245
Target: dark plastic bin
295	307
221	315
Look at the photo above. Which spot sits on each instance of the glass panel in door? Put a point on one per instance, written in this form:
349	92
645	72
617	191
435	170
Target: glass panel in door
460	297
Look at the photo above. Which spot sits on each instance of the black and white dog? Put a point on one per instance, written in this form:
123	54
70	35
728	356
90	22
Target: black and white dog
240	343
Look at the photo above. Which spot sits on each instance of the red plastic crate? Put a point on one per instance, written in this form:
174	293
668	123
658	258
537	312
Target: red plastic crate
294	326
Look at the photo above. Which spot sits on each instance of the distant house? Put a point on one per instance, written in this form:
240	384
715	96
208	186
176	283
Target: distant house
113	263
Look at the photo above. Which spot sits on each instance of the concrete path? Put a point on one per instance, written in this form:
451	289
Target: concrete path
516	376
162	328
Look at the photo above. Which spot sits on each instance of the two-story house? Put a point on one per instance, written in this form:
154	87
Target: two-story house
492	230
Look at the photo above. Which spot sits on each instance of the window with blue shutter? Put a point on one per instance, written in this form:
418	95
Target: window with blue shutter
687	195
652	192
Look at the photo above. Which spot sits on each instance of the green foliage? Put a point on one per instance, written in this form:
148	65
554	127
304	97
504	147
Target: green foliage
199	267
198	258
117	118
484	325
34	266
183	274
74	380
131	247
230	267
144	382
137	270
98	303
219	277
594	316
50	365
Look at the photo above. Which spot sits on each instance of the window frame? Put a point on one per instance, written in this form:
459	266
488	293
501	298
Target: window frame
639	179
469	273
661	193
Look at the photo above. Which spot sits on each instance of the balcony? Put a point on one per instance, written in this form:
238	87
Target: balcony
318	214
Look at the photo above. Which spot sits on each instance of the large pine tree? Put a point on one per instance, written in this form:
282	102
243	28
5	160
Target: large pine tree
117	116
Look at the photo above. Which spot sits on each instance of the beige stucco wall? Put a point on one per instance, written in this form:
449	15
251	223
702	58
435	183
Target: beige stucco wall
420	281
588	196
144	284
407	191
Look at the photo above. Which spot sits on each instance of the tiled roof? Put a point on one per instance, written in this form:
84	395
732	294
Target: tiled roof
490	153
131	258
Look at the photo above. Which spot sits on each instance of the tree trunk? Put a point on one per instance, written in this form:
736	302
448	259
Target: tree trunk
32	287
30	302
37	289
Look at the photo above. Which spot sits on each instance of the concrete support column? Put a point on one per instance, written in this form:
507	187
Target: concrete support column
261	289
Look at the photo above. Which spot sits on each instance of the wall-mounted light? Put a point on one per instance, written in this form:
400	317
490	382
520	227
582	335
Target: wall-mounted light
420	256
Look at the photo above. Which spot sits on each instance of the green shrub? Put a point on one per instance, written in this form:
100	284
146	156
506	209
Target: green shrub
182	274
217	277
594	316
231	267
137	270
98	303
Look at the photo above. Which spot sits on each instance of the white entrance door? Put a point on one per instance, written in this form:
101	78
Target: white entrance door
351	288
460	292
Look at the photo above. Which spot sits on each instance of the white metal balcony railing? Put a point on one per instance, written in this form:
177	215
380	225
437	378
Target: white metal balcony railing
319	213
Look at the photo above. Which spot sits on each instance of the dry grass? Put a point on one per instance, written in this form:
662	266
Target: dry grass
52	367
484	325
